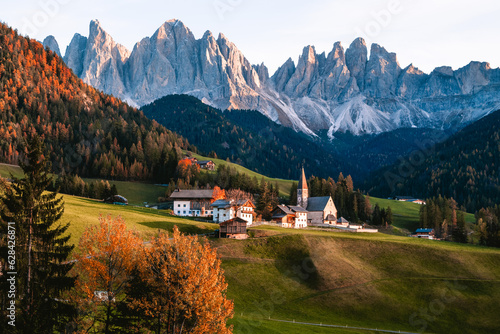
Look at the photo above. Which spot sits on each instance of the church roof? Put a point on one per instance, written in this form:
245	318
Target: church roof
317	203
302	181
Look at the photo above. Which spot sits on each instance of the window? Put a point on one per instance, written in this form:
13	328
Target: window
184	212
184	205
178	205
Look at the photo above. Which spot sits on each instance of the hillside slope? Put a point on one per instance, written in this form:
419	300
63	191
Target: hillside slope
374	281
465	167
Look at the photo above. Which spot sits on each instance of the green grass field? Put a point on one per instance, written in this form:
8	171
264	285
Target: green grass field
360	280
285	185
136	193
330	277
82	212
6	170
406	215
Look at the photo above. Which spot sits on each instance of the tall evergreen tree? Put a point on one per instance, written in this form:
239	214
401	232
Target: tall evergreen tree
41	246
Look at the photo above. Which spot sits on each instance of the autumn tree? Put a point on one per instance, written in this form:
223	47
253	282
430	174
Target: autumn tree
183	289
41	246
238	195
104	265
217	194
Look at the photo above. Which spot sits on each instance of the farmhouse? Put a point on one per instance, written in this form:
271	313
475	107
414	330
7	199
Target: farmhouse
206	164
320	210
235	228
424	233
290	216
224	210
195	203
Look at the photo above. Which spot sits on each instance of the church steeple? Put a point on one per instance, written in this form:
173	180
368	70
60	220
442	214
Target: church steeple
302	191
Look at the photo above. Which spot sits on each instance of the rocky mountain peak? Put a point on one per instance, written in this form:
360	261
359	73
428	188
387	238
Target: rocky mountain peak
355	58
51	43
382	72
340	91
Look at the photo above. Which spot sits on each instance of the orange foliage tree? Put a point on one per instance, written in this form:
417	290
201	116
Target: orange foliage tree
218	194
108	255
183	287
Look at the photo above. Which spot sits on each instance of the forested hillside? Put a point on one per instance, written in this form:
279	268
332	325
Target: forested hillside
245	137
85	131
465	167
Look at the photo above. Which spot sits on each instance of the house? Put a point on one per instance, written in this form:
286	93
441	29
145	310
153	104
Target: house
206	164
195	203
418	201
224	209
290	216
235	228
424	233
320	210
192	159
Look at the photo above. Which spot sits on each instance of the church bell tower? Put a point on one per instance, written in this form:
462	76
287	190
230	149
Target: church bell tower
302	191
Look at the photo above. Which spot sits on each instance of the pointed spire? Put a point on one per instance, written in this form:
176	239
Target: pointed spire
302	181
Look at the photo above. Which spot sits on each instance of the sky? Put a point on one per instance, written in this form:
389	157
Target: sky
427	33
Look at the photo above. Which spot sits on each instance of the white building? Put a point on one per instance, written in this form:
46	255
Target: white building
290	216
192	203
228	209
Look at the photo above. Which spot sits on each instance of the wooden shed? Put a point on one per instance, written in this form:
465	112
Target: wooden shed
235	228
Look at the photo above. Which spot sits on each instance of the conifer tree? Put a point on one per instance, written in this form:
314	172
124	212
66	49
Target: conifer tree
42	245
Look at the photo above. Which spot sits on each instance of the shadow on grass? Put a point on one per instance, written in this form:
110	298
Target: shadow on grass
184	228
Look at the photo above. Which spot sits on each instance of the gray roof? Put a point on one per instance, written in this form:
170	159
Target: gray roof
342	220
192	194
297	208
317	203
285	209
330	218
204	162
221	203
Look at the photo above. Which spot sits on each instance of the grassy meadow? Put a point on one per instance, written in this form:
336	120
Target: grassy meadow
332	277
360	280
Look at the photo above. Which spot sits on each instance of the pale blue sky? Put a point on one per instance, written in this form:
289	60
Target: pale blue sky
427	33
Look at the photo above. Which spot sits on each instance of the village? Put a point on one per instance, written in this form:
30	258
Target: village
235	215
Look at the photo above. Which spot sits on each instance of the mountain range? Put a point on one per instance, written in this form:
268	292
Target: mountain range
347	90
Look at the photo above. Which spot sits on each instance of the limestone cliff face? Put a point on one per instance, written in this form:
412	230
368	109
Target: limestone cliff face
347	90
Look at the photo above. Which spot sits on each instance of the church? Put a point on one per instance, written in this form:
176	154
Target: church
320	210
